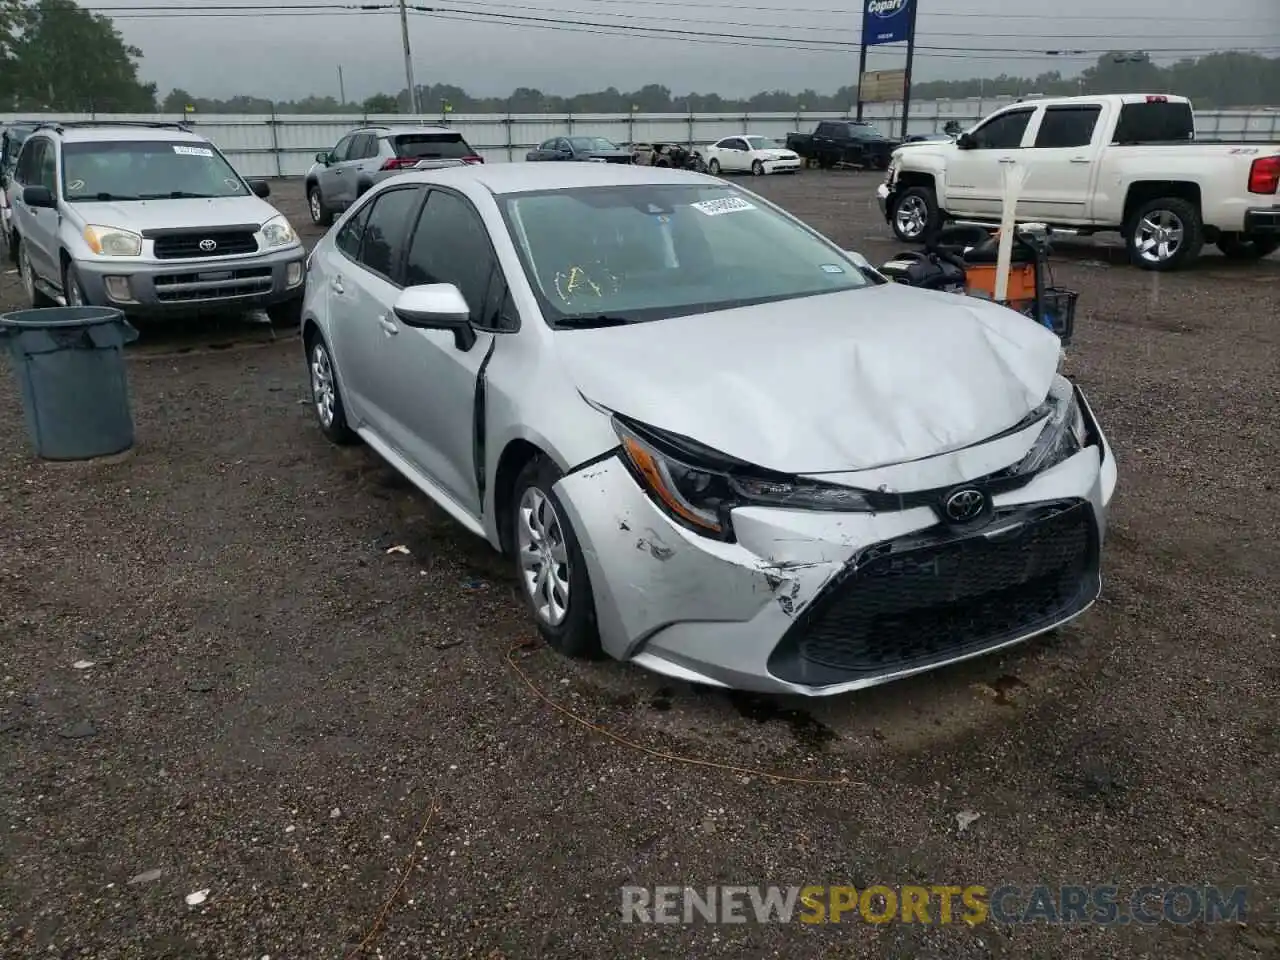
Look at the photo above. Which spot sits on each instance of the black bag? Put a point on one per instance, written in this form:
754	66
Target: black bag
929	271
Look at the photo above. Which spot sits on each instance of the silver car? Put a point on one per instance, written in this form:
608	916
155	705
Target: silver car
712	443
369	155
149	218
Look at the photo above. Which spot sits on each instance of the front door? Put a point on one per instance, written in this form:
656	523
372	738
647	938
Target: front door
333	177
975	176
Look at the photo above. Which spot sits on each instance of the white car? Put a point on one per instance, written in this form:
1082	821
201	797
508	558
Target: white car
712	443
757	155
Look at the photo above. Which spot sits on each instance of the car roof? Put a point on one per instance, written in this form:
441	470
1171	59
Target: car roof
124	132
400	129
505	178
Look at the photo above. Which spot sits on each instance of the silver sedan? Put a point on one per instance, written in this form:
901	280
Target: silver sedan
712	443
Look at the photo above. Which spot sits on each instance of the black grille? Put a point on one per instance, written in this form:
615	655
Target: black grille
926	599
174	246
212	284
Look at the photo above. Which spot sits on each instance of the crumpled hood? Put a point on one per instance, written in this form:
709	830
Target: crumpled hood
838	382
139	215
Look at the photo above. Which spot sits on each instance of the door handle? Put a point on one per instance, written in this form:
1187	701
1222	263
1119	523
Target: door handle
389	328
335	284
1006	160
1080	160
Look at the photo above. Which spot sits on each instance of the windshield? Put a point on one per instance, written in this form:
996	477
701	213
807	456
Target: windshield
646	252
762	143
593	143
146	170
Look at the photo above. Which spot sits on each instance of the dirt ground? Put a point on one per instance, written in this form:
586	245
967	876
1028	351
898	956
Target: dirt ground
282	713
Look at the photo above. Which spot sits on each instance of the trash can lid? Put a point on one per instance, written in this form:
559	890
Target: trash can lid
45	318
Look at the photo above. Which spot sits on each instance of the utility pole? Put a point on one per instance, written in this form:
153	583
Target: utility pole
408	58
911	56
862	68
342	90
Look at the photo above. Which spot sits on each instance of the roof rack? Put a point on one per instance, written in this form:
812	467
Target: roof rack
60	125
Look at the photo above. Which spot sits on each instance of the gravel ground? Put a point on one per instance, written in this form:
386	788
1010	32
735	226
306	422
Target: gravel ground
285	715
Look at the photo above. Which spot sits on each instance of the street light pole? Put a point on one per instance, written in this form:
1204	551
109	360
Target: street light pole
408	59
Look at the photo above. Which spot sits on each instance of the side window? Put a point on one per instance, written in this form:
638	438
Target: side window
824	130
1003	132
352	232
737	144
547	145
451	245
28	171
48	175
1068	126
365	146
384	232
342	149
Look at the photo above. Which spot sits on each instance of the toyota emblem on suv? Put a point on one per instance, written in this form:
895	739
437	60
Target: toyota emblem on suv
208	246
965	505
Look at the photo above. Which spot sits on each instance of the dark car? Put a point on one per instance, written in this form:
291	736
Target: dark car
855	142
596	149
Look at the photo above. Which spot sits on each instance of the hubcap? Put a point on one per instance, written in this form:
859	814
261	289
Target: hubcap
757	168
912	215
315	205
544	559
322	388
1158	236
28	278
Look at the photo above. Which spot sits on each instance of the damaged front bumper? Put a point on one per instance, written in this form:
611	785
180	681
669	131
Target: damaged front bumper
817	603
883	194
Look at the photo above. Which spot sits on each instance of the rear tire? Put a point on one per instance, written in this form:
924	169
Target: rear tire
550	565
714	168
1243	246
321	214
1164	234
914	215
35	296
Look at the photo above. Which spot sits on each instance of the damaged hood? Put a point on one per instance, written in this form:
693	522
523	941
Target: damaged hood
832	383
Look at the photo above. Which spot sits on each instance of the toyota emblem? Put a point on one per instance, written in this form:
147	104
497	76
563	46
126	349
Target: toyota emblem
208	246
965	505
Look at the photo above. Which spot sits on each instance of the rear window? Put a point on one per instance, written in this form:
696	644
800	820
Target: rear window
1155	123
432	146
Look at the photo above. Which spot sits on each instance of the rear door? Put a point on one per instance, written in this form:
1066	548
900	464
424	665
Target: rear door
1061	162
332	177
39	225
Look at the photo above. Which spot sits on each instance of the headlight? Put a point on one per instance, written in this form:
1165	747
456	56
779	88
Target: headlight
276	232
701	496
1064	432
112	241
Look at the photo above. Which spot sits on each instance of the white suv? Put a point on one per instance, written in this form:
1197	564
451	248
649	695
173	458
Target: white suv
149	218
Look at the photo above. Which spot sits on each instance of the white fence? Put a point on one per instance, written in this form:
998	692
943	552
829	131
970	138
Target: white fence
284	145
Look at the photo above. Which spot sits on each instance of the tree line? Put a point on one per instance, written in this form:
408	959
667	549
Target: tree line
57	56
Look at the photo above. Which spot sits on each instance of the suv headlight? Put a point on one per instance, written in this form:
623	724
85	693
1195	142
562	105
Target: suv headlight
112	241
700	496
277	232
1064	433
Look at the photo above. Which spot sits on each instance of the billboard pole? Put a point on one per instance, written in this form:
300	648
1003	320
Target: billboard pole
862	69
911	56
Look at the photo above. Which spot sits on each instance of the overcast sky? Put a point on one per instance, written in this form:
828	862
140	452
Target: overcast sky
297	52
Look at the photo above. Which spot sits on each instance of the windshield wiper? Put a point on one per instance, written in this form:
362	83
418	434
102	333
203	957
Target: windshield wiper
101	197
177	195
590	323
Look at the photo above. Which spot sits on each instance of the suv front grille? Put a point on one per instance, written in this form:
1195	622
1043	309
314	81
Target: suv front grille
931	597
187	245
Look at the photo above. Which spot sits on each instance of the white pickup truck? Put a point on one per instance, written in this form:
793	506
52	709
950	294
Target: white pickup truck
1124	162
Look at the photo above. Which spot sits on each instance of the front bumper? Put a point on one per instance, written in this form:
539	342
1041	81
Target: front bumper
782	166
1262	221
884	193
819	604
181	285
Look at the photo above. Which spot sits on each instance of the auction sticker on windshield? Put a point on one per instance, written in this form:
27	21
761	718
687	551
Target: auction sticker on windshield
713	208
192	151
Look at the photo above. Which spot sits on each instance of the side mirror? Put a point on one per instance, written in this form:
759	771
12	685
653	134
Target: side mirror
260	188
966	142
323	157
437	306
38	196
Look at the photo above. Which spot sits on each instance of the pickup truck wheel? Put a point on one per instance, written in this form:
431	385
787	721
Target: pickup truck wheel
914	214
321	215
1243	246
1165	234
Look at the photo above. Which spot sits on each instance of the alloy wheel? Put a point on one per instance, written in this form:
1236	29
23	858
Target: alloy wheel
911	217
1158	236
323	391
544	556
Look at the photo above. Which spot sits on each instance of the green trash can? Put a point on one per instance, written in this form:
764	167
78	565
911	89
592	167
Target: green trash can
69	362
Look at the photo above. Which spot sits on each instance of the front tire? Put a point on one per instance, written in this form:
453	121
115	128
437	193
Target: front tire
321	214
1164	234
1243	246
326	397
287	314
72	288
714	168
914	214
757	169
550	565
